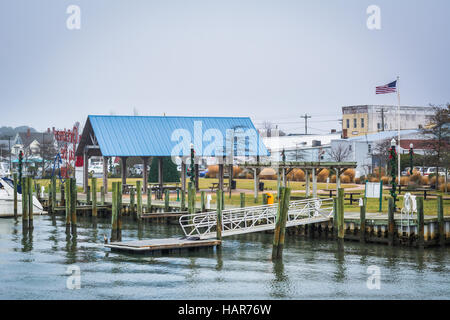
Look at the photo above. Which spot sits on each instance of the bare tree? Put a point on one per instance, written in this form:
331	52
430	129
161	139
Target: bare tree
340	152
438	130
381	150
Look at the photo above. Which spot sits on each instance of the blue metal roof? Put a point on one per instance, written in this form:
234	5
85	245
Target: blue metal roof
160	136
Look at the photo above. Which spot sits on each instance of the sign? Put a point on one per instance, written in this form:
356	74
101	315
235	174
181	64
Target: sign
67	141
375	190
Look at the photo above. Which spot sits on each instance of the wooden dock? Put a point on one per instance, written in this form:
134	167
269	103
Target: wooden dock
161	245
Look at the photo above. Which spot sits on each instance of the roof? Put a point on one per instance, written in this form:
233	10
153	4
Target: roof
298	142
138	136
28	138
382	135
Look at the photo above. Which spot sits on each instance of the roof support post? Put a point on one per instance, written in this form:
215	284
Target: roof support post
221	176
230	177
123	163
338	179
85	170
307	183
196	177
256	183
145	174
314	183
105	174
183	175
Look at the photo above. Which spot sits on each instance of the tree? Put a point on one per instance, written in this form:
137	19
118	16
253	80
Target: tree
47	151
438	130
170	173
340	152
381	150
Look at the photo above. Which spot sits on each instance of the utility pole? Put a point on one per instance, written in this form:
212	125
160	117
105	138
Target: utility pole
306	122
382	119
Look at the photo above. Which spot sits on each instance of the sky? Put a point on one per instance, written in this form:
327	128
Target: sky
271	60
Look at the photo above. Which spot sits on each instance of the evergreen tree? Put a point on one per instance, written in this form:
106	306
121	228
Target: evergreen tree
170	173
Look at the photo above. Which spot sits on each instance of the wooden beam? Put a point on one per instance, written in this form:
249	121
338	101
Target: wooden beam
123	162
145	174
105	174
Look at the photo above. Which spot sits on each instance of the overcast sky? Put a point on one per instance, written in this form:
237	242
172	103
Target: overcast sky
270	60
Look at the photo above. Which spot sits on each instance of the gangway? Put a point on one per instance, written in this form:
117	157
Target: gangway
255	219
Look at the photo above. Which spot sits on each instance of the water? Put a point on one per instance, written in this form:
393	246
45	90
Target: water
34	266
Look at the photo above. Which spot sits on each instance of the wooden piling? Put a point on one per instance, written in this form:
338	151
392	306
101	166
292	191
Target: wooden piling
149	200
166	200
102	195
219	195
88	195
340	213
183	200
420	222
441	222
391	223
223	200
242	200
30	202
202	201
73	204
94	196
191	198
335	217
68	191
362	222
132	201
53	194
119	211
15	195
24	203
264	195
139	198
114	212
62	193
280	224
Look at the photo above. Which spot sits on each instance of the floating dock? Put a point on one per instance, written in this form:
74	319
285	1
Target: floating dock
161	245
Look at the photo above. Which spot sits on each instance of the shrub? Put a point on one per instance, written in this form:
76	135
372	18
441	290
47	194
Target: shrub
415	178
323	175
404	181
350	173
345	179
442	187
433	180
236	171
377	170
333	178
358	180
213	171
385	179
249	175
170	173
423	180
299	175
374	179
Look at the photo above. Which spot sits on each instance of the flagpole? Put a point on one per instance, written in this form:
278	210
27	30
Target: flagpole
398	128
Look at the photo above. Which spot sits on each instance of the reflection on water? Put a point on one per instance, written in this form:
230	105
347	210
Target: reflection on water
33	265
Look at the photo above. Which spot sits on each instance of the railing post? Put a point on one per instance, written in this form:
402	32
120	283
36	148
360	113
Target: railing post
24	204
30	202
68	192
53	186
280	224
166	200
119	210
149	200
183	200
132	201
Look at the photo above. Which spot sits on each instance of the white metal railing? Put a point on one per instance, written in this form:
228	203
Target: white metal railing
253	219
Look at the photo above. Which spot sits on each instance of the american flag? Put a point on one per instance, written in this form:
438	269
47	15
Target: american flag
388	88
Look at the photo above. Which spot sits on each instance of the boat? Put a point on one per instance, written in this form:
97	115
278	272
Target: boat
7	200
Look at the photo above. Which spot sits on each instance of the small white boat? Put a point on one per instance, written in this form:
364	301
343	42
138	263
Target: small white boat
7	200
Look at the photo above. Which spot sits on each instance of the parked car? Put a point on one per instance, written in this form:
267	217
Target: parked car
137	169
95	169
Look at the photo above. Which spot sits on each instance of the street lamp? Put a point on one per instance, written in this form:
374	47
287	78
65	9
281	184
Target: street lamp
411	153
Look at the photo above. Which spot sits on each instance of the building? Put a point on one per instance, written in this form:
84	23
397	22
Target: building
301	147
30	143
367	119
364	149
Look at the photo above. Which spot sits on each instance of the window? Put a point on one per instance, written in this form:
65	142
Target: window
370	148
362	122
348	123
355	124
379	126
